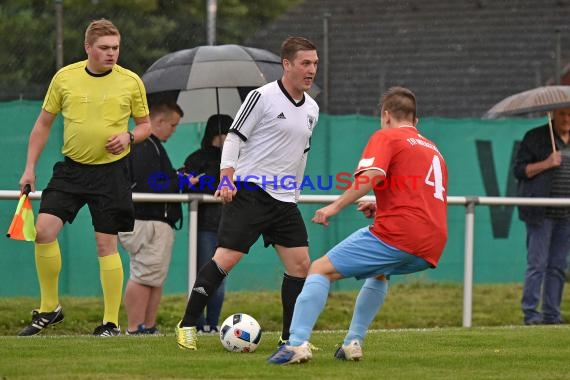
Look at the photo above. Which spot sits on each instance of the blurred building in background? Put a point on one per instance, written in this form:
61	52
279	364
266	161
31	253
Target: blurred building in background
460	57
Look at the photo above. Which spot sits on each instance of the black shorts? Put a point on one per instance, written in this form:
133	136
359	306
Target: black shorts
105	188
253	212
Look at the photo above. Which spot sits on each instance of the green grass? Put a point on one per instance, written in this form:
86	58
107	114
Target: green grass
416	335
412	305
449	353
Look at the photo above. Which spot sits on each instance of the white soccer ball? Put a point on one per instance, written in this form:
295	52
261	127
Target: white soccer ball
240	333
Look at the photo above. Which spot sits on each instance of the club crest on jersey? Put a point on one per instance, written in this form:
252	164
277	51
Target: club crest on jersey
310	122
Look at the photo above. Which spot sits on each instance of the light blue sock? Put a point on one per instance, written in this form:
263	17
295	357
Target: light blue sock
370	299
308	307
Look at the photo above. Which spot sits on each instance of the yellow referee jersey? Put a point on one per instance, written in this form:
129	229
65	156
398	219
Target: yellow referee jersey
94	108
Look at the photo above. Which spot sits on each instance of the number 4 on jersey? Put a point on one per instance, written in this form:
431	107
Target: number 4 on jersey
434	178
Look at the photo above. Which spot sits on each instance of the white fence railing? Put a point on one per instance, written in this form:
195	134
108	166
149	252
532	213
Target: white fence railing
468	201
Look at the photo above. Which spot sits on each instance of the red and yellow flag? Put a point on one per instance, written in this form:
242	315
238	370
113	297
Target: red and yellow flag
22	226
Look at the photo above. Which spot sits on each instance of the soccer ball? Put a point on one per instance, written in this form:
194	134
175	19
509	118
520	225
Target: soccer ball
240	333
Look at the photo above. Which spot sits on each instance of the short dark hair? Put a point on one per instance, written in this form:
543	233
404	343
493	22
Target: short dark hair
166	108
292	45
400	102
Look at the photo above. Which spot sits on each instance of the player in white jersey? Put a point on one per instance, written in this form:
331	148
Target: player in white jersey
264	153
272	132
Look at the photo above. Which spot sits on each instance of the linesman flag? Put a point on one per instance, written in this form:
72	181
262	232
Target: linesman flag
22	226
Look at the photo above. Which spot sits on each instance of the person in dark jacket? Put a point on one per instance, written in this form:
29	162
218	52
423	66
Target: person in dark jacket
204	165
150	243
545	173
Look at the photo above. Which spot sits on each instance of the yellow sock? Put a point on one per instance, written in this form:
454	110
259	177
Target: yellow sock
48	266
111	270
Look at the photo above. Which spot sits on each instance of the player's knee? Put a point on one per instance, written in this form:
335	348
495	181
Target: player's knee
304	265
105	248
44	235
299	268
226	258
322	266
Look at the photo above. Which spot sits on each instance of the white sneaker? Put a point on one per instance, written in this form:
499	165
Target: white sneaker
352	351
291	354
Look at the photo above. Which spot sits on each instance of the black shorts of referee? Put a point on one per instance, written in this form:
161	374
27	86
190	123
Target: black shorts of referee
253	213
105	188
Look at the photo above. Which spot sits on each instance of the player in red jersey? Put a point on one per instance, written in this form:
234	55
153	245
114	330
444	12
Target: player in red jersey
408	175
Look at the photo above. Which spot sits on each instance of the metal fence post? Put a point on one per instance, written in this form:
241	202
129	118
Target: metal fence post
468	264
192	243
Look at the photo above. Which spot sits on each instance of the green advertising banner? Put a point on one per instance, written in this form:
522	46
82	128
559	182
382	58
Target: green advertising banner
478	153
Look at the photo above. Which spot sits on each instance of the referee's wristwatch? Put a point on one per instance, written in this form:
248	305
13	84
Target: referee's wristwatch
132	137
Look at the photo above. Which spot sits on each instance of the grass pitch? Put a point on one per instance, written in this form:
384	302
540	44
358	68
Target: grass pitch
417	335
439	353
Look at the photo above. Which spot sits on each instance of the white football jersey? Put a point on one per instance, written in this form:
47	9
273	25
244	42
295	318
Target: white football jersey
275	132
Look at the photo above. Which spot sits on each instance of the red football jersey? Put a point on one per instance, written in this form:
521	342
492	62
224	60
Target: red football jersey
411	202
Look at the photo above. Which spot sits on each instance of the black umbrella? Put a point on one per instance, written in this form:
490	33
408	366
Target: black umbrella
208	80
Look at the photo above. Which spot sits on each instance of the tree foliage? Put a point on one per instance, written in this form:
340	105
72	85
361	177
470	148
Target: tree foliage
149	30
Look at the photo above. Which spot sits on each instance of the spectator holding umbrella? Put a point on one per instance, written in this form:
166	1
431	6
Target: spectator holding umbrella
542	172
542	168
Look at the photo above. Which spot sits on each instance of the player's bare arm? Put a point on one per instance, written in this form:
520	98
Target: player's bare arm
367	208
142	129
38	139
227	189
117	144
357	190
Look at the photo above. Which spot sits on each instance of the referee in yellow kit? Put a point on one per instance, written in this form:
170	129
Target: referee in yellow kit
96	98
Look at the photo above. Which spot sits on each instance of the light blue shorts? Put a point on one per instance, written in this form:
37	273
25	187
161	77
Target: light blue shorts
363	255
